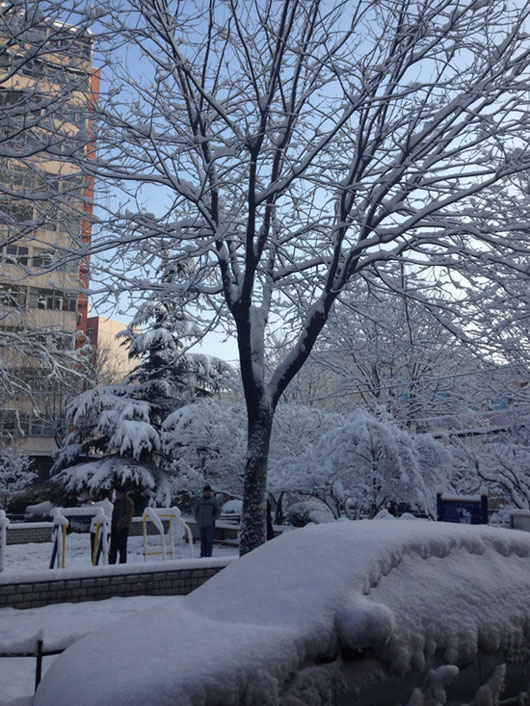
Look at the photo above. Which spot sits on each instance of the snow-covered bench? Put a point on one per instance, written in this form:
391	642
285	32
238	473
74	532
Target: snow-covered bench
520	520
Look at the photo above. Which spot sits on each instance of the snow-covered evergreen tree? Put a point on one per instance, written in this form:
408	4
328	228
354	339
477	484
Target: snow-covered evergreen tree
117	429
168	375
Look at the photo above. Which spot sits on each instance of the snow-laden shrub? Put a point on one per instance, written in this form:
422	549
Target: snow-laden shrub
296	432
375	461
15	474
302	513
39	511
232	507
311	451
209	438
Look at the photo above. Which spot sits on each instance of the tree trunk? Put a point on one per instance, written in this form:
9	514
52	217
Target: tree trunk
254	515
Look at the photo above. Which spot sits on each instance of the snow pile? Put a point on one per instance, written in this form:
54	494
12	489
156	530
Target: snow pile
269	629
306	511
232	507
59	625
39	510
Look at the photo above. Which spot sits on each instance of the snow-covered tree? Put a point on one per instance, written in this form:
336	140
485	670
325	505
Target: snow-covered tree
498	458
123	423
437	465
383	350
207	440
312	453
295	434
15	474
292	147
378	464
167	374
505	470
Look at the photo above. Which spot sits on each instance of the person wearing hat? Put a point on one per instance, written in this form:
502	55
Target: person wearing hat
206	510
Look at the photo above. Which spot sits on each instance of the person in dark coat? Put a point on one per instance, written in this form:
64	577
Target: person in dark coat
270	529
206	510
122	515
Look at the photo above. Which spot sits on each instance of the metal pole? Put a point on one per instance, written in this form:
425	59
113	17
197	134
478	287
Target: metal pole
38	671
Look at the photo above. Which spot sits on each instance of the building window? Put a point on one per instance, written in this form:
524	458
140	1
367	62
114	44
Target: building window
16	210
75	114
76	48
55	299
71	225
75	79
44	258
37	426
22	99
15	424
74	184
9	423
12	295
60	341
14	254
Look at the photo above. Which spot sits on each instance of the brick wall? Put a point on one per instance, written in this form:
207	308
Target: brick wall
24	532
170	578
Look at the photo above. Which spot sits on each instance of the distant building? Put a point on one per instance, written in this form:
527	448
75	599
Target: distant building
112	362
45	209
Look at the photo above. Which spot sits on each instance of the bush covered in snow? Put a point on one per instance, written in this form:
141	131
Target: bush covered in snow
232	507
372	460
15	474
302	513
311	451
39	511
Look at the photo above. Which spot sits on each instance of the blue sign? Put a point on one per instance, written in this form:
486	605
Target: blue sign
464	510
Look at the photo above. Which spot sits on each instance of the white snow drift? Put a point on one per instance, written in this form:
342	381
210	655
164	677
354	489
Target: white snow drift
268	628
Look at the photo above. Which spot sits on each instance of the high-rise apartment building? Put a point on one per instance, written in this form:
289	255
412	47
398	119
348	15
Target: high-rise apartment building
47	85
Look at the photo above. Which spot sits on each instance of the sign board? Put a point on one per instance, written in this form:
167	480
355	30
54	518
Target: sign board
465	509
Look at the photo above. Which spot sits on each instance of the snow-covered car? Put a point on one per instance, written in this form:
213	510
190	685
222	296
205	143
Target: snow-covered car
366	612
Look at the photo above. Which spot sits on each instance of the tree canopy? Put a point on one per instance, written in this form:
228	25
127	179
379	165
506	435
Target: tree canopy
273	152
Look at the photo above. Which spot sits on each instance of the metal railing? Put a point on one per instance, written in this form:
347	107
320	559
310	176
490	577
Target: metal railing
39	655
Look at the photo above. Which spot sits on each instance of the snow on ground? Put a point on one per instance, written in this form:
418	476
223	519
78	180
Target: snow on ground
62	624
35	557
59	625
254	633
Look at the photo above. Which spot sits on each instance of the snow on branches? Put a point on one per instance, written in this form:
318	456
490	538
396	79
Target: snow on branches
15	474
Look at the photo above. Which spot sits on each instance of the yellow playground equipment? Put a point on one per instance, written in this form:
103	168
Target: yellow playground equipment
99	530
164	549
60	523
